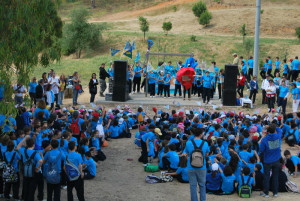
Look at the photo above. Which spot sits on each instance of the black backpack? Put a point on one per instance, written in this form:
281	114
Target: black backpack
291	139
29	165
9	172
197	158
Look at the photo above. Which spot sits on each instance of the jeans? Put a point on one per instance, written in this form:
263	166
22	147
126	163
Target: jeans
250	74
253	93
29	188
241	90
92	99
60	97
275	171
263	74
197	177
19	100
282	103
75	96
32	97
269	72
79	186
177	88
129	82
53	189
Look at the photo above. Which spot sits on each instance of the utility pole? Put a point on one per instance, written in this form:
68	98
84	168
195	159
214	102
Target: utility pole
256	42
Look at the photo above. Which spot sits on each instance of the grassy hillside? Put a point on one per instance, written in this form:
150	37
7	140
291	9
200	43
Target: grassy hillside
209	48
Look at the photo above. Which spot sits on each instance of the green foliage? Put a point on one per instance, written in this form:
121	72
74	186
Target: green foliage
298	32
193	38
79	34
262	11
174	8
205	18
144	25
199	8
29	32
217	1
248	46
243	32
167	26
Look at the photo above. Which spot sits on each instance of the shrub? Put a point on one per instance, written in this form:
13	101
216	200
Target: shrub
199	8
205	18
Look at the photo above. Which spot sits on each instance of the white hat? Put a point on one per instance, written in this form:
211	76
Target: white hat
215	167
64	109
121	120
90	110
223	116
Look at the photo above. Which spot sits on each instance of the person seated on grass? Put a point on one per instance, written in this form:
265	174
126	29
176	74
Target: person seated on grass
171	159
182	172
213	180
90	167
228	181
246	175
292	163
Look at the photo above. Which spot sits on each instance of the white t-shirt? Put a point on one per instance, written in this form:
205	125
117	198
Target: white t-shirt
55	83
21	89
100	129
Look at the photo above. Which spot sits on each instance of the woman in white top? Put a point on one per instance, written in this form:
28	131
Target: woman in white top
55	84
270	94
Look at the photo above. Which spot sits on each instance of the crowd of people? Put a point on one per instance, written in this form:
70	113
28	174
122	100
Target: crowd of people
221	152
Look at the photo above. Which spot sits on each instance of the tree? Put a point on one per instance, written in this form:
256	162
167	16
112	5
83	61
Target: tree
29	31
248	45
144	25
298	32
79	34
167	26
205	18
199	8
243	32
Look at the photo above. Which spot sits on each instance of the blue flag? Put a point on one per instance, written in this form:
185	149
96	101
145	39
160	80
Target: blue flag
128	53
133	45
150	43
114	51
138	57
127	46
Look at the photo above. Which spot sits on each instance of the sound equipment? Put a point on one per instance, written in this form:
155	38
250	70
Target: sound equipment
120	87
230	84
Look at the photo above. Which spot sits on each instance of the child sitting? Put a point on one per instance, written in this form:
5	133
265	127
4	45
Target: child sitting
171	159
244	179
259	178
213	180
228	180
90	171
182	171
292	163
96	144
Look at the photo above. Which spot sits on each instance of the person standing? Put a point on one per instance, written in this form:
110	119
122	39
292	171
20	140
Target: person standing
270	66
282	98
93	87
295	68
55	83
167	82
177	87
19	90
241	84
235	59
264	70
102	76
253	88
160	82
250	65
32	90
277	67
129	78
137	77
220	82
197	175
271	94
296	97
39	92
270	148
264	86
76	87
286	68
61	89
207	83
151	83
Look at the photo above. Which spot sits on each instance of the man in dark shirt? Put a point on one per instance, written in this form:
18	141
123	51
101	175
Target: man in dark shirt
102	76
40	91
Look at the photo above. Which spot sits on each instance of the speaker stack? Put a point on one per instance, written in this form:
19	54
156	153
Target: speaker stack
230	83
120	88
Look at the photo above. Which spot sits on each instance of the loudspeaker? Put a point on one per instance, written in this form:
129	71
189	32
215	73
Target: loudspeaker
120	88
229	98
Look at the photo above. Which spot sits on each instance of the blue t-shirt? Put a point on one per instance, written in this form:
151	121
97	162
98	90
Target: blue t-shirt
277	63
295	64
265	67
75	158
152	79
46	113
270	64
115	131
245	155
51	156
167	80
184	173
160	80
251	181
207	81
137	68
250	63
29	152
189	149
173	157
216	69
96	143
296	91
80	121
91	166
150	135
283	91
295	160
213	183
285	67
227	183
244	69
32	86
9	155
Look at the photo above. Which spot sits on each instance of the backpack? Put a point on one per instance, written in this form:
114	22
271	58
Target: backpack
245	190
72	171
291	139
29	165
151	179
9	172
140	117
53	174
197	158
151	168
75	126
291	187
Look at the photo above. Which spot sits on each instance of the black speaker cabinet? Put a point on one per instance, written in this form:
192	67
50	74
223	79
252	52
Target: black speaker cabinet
120	89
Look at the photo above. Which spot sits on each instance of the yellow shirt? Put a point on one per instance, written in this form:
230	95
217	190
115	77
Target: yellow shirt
62	86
